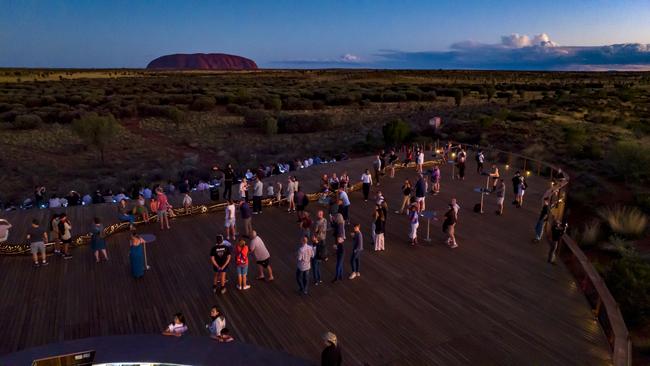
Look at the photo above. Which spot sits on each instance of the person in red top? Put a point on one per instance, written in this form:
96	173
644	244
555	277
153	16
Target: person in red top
241	259
163	206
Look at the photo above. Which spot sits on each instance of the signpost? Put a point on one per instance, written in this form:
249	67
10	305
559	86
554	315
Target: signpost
429	215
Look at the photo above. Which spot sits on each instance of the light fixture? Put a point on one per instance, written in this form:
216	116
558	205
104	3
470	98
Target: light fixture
528	172
507	166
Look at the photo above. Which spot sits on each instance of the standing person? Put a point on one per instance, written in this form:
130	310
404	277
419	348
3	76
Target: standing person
299	199
420	192
320	227
220	259
243	190
339	235
258	192
495	176
541	221
382	161
557	232
414	221
37	237
376	165
141	208
366	180
406	196
480	160
516	181
270	193
409	157
521	190
305	225
187	203
65	231
331	355
357	248
435	180
241	259
246	218
392	160
136	254
449	226
500	193
230	220
344	181
305	255
278	192
460	162
163	208
344	208
420	161
320	255
217	323
334	182
54	234
97	242
262	257
380	227
291	191
228	179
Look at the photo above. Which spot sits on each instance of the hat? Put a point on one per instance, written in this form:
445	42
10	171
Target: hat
330	337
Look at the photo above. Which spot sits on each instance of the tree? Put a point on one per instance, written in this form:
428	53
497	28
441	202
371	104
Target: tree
177	116
271	125
96	131
490	91
458	96
396	132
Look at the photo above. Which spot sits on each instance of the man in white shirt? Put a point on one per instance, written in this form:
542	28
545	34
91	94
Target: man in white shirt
262	256
305	253
258	192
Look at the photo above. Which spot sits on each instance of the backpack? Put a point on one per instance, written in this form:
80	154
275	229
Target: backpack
305	200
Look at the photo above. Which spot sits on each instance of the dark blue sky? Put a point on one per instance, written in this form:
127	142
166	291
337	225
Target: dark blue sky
355	33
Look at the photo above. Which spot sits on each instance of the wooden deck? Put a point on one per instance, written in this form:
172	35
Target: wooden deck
493	300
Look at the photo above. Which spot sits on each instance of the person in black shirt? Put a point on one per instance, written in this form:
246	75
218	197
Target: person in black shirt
541	221
184	187
228	178
331	355
557	232
220	258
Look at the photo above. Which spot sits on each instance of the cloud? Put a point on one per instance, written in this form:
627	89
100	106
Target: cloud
522	52
348	57
513	52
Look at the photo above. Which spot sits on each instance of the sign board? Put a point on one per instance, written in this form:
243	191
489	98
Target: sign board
429	214
84	358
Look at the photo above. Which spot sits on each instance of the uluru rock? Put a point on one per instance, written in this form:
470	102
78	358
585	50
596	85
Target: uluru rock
202	61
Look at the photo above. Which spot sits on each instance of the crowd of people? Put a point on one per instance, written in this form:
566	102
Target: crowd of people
239	244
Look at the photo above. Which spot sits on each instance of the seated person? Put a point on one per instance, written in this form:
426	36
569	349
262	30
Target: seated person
141	208
177	327
54	202
4	230
86	200
225	336
123	212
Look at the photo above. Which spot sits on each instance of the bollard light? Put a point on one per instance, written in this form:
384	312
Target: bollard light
528	173
507	166
453	155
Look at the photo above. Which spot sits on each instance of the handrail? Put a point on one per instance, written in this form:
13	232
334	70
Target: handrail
592	285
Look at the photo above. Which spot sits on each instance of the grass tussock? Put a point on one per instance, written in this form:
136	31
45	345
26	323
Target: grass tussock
590	233
624	220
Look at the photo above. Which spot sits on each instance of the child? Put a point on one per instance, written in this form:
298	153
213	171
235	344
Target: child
177	327
278	192
225	336
187	203
241	257
269	192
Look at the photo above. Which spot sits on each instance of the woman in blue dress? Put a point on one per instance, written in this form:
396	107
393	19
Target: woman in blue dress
97	242
136	254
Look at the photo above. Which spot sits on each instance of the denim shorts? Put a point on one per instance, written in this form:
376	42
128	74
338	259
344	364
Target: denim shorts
242	270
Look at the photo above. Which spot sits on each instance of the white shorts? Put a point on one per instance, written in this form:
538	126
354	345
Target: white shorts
230	222
500	200
414	231
419	199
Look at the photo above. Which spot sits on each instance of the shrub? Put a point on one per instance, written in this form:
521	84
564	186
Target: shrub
629	283
304	123
457	94
590	233
619	246
97	131
624	220
255	118
273	102
270	126
631	161
27	122
396	132
176	115
203	103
